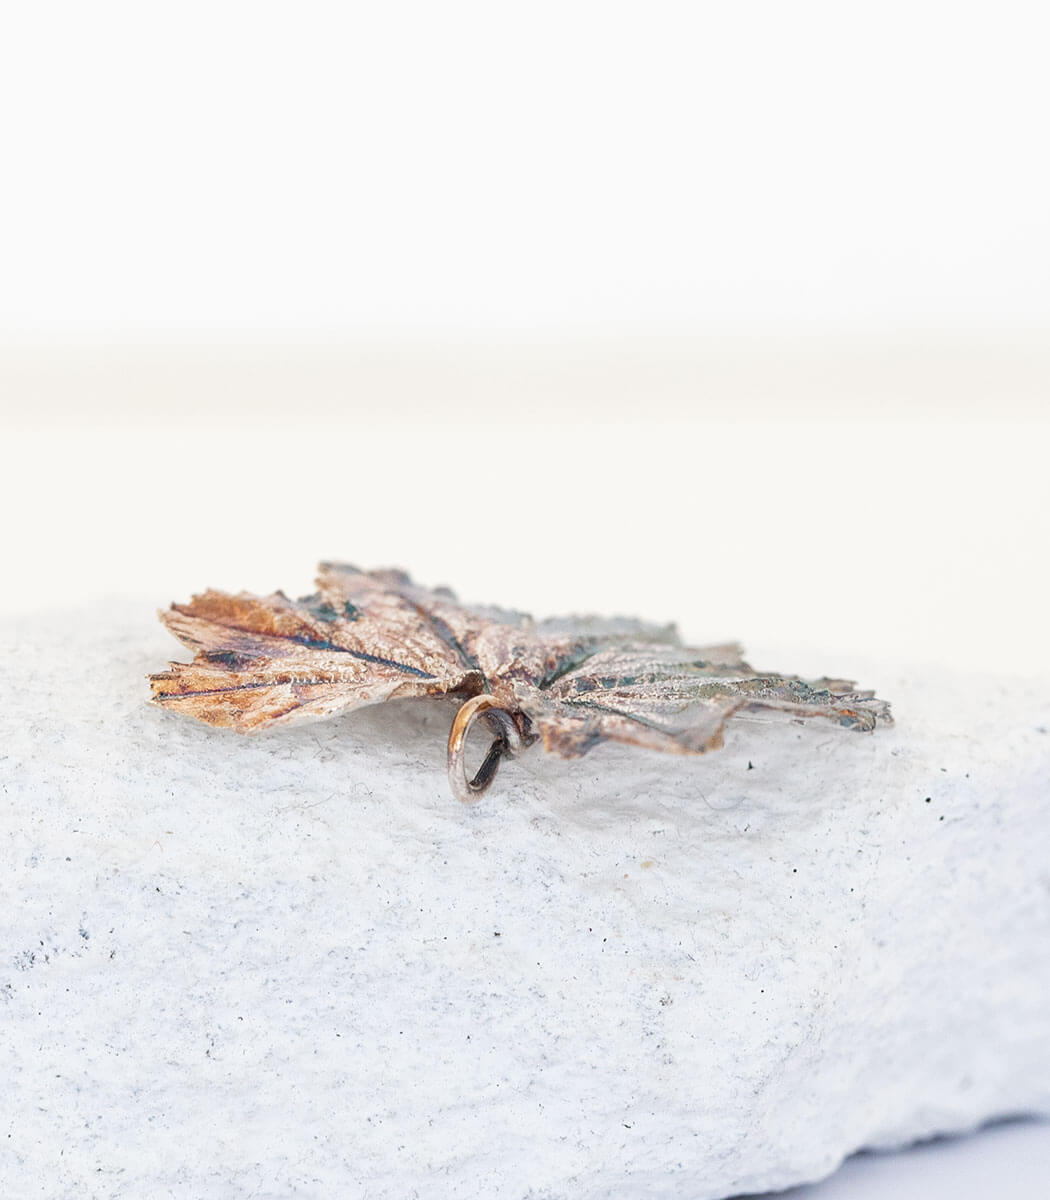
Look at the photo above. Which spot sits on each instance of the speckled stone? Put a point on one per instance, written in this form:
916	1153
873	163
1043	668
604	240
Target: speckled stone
292	965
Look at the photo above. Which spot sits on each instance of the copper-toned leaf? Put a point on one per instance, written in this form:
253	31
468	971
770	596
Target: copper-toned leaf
270	659
369	636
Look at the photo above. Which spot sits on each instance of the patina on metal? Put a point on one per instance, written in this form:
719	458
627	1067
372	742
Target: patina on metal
572	683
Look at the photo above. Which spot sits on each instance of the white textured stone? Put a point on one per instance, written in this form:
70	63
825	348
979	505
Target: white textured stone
292	965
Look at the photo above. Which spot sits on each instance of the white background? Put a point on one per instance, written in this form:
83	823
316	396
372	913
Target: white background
341	167
731	314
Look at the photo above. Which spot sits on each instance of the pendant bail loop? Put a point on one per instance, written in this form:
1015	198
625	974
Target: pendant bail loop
507	743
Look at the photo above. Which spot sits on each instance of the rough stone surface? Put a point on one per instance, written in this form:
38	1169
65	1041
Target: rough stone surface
292	965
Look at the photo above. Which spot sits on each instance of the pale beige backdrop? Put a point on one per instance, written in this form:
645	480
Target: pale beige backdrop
839	497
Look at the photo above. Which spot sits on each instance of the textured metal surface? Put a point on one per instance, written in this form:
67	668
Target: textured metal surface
369	636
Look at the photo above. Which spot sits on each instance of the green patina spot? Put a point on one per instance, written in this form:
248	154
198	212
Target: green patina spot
324	611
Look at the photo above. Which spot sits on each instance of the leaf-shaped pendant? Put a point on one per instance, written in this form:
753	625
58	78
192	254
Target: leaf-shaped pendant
369	636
